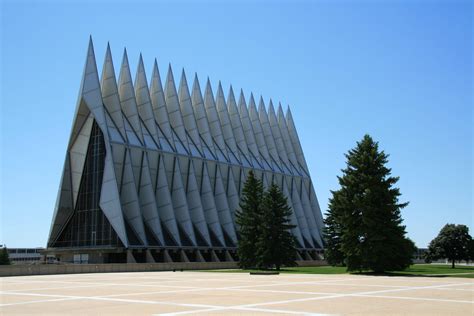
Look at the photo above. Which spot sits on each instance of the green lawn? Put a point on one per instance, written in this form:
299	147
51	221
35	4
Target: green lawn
434	270
438	270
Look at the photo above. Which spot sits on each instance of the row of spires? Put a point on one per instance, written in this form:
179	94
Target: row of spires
151	111
196	81
275	145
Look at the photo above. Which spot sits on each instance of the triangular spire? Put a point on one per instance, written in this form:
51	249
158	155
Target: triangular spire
91	66
108	71
286	136
267	132
110	91
236	123
127	97
295	140
144	103
273	120
188	113
225	123
159	107
214	122
257	128
201	119
90	93
174	112
248	130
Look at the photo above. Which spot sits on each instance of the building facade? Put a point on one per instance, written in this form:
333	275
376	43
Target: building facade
29	256
155	174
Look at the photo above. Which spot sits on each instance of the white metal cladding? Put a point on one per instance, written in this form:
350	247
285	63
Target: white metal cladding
176	159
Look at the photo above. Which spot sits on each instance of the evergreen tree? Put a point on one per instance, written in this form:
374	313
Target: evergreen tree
4	257
452	243
276	246
248	220
366	213
333	232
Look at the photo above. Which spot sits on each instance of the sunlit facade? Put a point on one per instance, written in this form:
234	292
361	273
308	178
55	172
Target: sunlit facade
155	175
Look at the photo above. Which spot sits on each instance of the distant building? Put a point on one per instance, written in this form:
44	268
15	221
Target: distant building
28	255
155	174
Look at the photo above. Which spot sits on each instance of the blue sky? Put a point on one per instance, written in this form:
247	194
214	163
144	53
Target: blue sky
401	71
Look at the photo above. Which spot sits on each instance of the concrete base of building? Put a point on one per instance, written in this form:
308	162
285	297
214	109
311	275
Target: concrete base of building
156	255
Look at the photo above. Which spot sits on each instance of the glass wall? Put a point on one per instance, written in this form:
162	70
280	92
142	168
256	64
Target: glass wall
88	226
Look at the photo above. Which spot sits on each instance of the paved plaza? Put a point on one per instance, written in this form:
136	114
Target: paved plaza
212	293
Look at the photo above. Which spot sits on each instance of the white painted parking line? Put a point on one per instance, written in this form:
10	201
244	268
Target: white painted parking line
355	294
37	301
92	284
467	290
249	309
202	307
416	298
110	299
363	294
333	295
138	284
158	284
228	288
57	288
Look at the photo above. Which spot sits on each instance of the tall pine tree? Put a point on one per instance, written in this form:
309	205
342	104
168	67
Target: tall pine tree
333	232
248	220
276	246
364	214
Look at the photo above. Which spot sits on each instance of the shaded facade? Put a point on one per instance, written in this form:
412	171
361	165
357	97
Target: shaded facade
154	173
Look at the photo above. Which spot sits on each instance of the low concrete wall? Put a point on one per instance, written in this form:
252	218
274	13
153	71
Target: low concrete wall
41	269
113	267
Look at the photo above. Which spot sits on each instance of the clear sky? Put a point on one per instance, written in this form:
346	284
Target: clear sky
401	71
